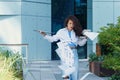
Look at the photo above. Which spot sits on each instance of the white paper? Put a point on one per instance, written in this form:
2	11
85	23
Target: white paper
65	53
91	35
67	57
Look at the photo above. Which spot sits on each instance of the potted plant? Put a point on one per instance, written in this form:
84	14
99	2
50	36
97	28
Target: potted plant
95	63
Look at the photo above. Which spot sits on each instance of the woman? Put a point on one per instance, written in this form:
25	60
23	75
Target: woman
71	35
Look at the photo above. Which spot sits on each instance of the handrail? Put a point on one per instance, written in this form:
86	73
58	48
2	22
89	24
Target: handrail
13	44
22	45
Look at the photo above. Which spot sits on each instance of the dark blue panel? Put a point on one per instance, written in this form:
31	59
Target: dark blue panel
60	10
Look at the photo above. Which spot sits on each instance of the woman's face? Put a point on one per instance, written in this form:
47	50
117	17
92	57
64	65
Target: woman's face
70	25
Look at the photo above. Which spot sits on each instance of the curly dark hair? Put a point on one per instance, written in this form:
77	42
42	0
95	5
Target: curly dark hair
77	27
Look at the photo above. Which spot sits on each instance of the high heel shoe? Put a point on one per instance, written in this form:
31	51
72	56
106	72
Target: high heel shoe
66	77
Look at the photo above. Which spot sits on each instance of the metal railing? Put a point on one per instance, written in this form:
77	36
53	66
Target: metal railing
18	45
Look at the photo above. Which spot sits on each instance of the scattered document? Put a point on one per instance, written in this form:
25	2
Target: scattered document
90	35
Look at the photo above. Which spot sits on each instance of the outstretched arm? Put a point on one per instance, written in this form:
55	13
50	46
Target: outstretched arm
43	33
49	37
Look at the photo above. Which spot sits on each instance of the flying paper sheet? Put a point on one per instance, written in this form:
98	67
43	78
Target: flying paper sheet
44	31
90	35
67	57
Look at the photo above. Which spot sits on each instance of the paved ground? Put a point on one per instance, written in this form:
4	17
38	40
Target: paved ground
48	70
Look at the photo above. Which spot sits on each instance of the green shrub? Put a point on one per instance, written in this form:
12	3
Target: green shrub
111	62
109	37
94	57
115	76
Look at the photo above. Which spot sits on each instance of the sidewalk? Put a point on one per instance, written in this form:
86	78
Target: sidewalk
48	70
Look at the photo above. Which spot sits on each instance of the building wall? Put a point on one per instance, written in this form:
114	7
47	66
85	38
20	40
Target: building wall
10	23
36	15
19	19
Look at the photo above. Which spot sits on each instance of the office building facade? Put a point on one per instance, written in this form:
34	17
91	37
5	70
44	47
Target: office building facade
19	19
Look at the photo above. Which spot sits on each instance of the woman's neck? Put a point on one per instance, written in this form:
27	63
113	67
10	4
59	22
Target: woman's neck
68	29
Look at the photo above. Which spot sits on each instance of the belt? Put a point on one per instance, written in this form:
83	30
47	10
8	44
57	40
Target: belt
73	47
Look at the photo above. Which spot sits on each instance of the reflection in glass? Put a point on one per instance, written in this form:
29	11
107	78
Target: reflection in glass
60	10
81	13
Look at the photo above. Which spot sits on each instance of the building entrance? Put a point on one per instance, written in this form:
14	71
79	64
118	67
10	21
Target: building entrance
60	10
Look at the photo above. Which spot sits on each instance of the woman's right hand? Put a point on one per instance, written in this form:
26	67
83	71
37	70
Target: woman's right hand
43	33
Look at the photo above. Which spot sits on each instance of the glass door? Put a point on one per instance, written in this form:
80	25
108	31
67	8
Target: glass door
60	10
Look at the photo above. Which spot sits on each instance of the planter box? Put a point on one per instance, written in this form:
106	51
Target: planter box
97	69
